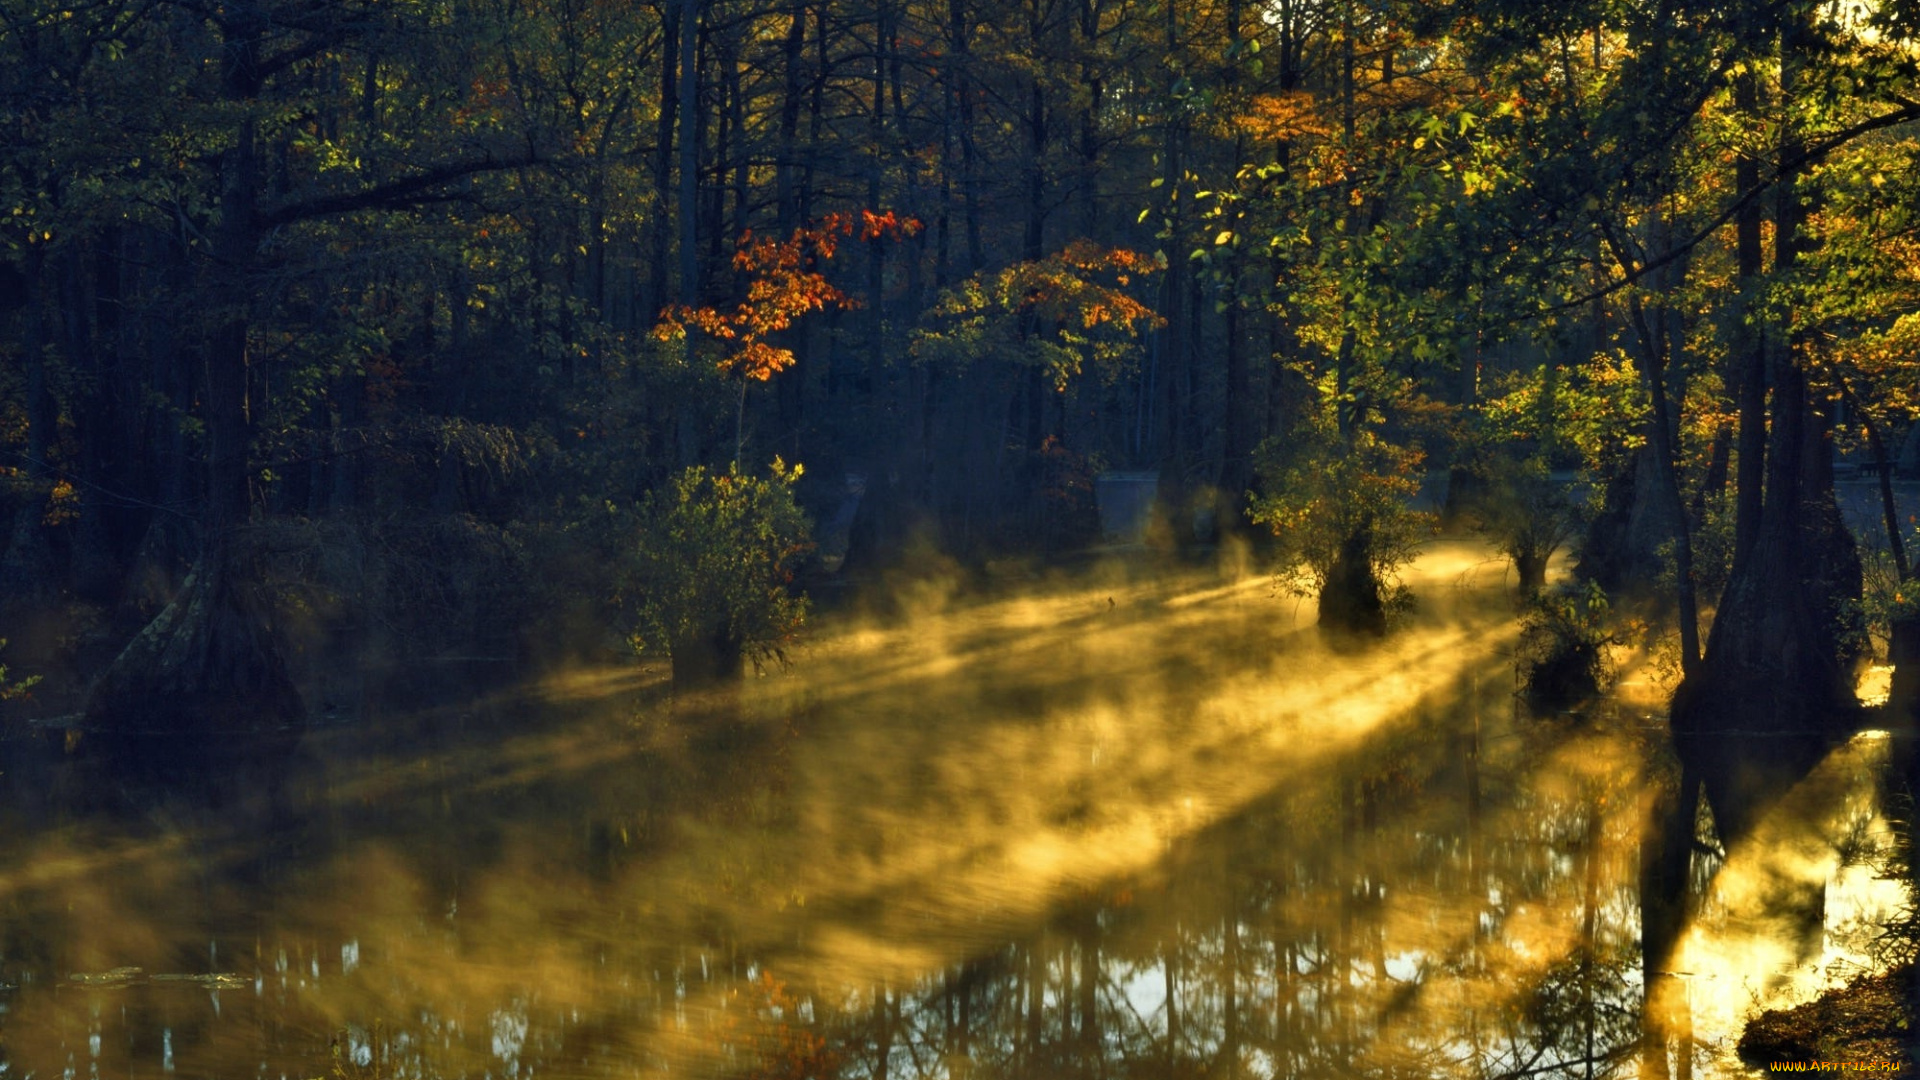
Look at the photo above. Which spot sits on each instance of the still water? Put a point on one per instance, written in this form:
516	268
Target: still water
1118	824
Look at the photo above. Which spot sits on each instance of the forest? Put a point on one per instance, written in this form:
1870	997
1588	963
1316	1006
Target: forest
413	317
351	336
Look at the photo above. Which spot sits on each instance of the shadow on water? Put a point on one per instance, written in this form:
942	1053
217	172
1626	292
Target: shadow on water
1119	824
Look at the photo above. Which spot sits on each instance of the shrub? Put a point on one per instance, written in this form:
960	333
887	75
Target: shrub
1563	648
712	568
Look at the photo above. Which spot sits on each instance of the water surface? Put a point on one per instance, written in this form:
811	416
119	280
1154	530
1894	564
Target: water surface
1118	823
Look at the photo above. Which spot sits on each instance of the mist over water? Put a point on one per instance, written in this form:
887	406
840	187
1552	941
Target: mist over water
1120	822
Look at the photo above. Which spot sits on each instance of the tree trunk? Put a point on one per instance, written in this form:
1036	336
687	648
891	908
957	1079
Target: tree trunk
1776	684
960	39
1092	90
209	663
212	660
1749	358
1171	356
790	390
876	305
1467	488
689	151
1235	477
1620	550
786	207
101	433
660	291
1350	599
26	570
1531	568
1714	483
706	659
1777	668
1288	391
1665	427
1903	638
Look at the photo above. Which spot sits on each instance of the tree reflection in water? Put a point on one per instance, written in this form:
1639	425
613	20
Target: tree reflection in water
1463	902
1397	922
1117	828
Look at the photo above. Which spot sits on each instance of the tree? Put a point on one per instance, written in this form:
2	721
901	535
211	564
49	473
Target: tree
1594	414
1779	659
1653	164
1340	509
1360	207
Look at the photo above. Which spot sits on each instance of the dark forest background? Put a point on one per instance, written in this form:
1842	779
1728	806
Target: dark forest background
352	311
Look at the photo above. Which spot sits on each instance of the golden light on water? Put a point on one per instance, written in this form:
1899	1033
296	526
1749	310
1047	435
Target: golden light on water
1876	684
1155	791
1788	915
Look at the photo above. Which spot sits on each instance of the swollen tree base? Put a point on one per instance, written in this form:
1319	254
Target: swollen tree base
209	663
1531	567
1621	547
707	660
1350	601
1775	689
